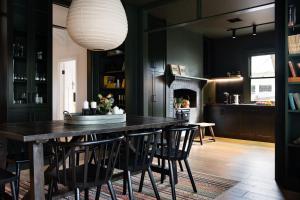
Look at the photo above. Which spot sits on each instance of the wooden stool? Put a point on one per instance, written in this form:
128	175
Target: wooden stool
202	127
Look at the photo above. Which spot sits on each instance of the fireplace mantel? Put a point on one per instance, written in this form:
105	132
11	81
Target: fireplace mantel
170	78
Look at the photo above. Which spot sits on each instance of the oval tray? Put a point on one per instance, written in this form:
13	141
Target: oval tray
93	119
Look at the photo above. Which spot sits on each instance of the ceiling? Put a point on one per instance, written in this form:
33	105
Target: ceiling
180	11
213	23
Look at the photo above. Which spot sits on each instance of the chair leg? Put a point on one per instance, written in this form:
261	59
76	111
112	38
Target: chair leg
50	189
180	165
172	181
190	175
142	181
158	161
18	173
13	190
111	190
163	176
124	183
98	192
77	194
130	190
153	183
86	194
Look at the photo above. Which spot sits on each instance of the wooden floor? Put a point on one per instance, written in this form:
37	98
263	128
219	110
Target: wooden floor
251	163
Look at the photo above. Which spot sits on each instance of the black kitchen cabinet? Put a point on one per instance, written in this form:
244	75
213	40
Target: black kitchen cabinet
249	122
27	61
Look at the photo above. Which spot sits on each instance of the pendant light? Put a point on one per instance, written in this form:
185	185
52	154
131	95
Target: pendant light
233	33
254	30
97	24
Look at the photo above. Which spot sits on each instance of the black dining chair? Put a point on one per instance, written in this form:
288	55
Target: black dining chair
8	177
18	156
96	169
136	156
179	140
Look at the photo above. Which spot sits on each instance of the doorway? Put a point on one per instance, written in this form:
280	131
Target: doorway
67	87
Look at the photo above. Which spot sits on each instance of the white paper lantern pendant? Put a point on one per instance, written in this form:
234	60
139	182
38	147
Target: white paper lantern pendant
97	24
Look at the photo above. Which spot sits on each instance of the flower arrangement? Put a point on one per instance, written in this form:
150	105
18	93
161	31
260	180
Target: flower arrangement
105	103
181	103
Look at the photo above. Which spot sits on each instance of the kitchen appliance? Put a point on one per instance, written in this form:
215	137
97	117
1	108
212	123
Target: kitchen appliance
236	99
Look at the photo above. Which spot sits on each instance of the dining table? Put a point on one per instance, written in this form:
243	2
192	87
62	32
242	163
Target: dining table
36	134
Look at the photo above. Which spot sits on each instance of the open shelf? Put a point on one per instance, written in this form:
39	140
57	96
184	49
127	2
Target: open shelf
294	80
294	55
294	145
294	111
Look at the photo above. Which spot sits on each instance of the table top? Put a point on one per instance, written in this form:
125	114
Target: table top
41	131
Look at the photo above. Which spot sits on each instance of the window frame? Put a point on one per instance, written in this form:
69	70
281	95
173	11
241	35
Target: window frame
250	70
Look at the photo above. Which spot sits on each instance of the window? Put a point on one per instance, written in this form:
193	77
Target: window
262	77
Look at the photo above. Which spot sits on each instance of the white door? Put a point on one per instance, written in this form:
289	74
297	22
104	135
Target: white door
67	86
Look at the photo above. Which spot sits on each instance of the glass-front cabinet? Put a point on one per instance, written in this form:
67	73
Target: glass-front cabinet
29	70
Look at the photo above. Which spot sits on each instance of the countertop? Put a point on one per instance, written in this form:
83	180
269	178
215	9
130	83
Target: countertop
242	105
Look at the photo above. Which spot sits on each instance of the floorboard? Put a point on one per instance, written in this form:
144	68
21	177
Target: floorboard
251	163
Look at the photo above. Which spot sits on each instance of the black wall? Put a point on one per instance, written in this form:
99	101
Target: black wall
185	48
231	55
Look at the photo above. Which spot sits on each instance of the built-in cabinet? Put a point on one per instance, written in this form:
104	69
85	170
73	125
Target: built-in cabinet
291	164
249	122
28	62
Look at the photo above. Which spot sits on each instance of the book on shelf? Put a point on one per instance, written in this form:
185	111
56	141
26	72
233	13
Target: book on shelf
294	44
291	101
292	69
297	99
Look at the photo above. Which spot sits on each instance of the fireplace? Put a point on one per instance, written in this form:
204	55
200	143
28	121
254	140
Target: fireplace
187	89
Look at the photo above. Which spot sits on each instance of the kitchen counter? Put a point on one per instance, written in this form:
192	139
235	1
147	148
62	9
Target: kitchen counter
242	121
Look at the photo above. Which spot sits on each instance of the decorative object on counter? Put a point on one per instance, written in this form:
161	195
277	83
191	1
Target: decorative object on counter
105	104
97	24
226	97
236	99
292	16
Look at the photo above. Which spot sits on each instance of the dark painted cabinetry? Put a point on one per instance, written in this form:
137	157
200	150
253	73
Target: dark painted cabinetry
242	121
27	61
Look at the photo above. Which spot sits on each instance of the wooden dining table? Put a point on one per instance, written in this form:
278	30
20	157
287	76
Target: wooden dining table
38	133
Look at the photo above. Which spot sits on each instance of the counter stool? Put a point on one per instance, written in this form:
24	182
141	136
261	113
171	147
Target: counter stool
202	126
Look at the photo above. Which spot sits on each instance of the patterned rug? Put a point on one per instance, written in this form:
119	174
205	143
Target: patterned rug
208	186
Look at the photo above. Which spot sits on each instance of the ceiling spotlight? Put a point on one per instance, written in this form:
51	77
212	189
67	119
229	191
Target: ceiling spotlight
233	34
254	30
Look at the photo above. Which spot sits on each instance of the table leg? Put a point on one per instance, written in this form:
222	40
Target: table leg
37	172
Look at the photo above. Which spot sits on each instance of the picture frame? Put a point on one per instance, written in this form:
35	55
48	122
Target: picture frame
175	69
182	70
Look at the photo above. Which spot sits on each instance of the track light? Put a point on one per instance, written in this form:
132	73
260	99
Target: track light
233	34
254	30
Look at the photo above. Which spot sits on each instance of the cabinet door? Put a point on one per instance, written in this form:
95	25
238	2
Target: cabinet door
18	115
19	56
40	52
40	115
